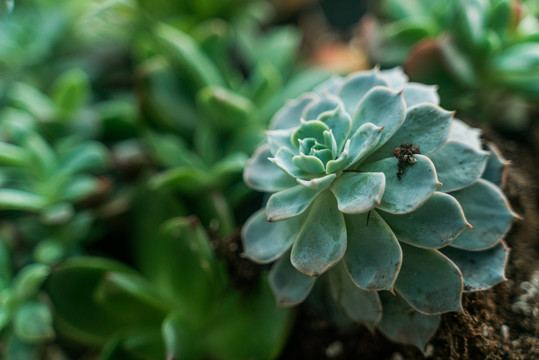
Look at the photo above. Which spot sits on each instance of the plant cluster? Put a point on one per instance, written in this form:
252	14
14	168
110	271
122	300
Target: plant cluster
482	54
125	128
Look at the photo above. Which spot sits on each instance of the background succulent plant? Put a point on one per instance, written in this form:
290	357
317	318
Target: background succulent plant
379	190
483	54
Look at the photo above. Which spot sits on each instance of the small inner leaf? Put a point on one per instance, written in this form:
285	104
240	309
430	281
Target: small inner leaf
309	164
309	129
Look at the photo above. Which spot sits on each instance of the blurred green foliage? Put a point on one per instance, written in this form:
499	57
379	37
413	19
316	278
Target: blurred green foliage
118	120
484	54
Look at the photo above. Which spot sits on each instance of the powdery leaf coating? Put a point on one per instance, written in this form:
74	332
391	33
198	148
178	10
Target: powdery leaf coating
289	203
321	242
434	225
358	192
370	177
404	195
264	242
480	269
458	165
429	281
487	211
370	268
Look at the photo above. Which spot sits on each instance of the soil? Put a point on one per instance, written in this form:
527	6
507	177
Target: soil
490	327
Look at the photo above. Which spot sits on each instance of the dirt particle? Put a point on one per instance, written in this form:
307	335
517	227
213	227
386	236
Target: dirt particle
405	154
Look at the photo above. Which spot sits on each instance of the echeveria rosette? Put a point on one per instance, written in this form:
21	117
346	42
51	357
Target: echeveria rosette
398	249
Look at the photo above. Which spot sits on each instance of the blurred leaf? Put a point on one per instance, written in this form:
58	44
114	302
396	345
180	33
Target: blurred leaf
185	54
87	156
225	109
143	344
80	188
249	327
29	280
71	92
12	155
187	180
42	160
57	214
233	164
171	151
29	98
18	349
131	298
72	286
48	251
8	305
181	342
33	322
11	199
16	124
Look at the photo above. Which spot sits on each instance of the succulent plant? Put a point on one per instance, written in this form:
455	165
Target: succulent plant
207	95
482	54
380	191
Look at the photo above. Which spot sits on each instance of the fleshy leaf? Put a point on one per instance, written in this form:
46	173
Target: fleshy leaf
318	183
429	281
360	305
340	123
458	165
329	86
415	93
289	203
480	269
358	192
467	134
434	225
425	125
495	166
396	78
264	242
12	199
321	241
319	106
289	286
309	164
381	107
289	116
489	213
334	165
363	143
262	175
355	86
278	139
370	268
402	324
284	159
416	185
309	129
33	322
